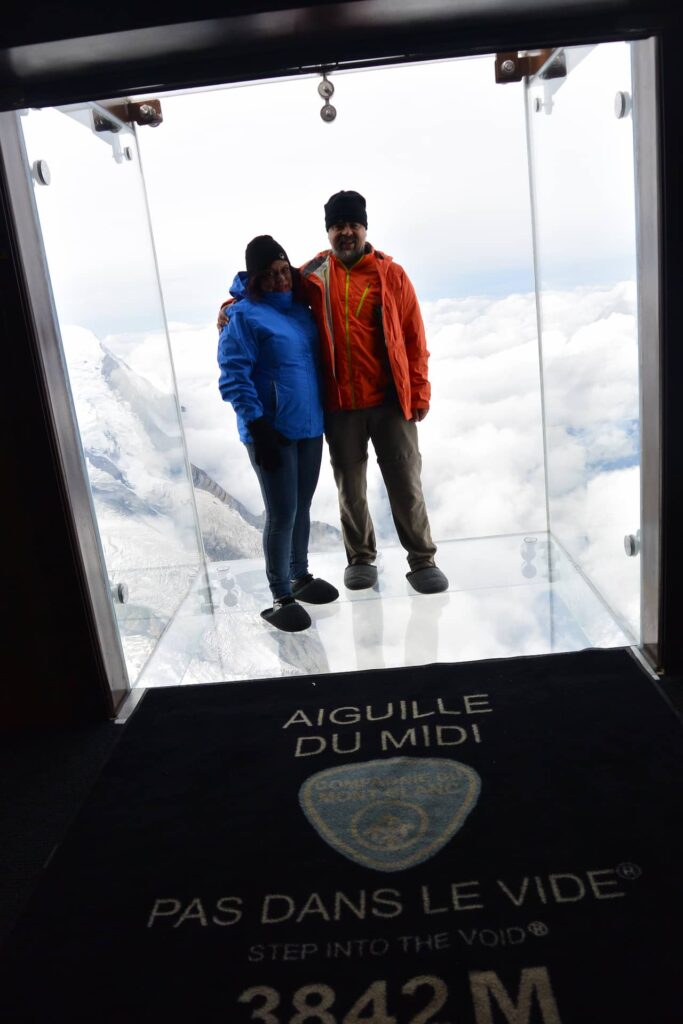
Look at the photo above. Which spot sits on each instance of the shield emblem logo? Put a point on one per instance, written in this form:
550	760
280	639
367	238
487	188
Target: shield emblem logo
390	814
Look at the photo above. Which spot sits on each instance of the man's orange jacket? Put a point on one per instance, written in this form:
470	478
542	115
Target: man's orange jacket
397	314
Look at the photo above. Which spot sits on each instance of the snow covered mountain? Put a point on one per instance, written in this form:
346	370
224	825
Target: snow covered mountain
230	530
137	467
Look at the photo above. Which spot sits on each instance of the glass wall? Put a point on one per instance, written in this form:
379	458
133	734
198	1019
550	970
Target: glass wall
94	223
530	386
423	144
581	138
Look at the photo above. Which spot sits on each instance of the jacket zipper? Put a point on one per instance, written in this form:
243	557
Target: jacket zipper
348	340
325	275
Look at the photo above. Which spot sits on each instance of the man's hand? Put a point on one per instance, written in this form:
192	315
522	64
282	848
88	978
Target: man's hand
419	414
223	318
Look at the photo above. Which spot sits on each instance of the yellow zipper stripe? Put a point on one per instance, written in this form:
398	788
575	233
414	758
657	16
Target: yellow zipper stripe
348	340
362	299
325	277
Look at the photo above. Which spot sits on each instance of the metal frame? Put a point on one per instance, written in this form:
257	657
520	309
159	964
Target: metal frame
63	419
645	54
59	404
93	53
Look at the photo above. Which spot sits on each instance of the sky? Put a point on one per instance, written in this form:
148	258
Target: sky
421	143
440	153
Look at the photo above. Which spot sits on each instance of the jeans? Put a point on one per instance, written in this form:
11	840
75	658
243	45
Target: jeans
287	494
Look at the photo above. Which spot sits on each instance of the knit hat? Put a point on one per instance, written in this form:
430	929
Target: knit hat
343	207
261	252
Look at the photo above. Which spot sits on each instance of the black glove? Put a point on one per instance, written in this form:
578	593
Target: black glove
267	443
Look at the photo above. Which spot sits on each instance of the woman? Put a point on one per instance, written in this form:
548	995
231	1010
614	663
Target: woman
268	356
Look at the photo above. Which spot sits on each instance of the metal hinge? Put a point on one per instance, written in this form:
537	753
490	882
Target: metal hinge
146	112
513	66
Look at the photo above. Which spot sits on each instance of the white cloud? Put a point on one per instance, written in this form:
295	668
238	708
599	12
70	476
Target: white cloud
482	443
592	521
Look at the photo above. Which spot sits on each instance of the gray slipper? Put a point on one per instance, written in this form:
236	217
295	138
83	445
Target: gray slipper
287	615
313	590
428	580
360	576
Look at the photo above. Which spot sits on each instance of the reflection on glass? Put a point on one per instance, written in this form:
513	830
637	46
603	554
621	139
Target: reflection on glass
582	162
101	262
494	608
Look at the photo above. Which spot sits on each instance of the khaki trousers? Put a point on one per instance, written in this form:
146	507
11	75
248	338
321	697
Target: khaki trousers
398	456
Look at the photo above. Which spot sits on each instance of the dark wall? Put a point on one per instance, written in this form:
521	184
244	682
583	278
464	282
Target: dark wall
51	668
672	362
51	671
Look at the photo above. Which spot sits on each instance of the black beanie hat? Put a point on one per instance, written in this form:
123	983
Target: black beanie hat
345	206
261	252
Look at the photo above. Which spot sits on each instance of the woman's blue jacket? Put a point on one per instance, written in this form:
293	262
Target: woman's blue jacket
268	355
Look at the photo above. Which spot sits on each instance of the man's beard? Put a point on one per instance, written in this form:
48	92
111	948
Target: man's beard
348	256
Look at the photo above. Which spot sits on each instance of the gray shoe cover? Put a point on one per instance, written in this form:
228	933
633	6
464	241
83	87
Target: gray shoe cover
360	576
428	580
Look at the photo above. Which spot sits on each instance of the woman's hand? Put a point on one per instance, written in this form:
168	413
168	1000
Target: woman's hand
267	443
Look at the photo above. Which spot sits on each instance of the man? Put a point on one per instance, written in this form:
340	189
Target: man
374	365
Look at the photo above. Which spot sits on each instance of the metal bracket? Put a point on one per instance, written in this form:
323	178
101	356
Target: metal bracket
325	90
513	66
146	112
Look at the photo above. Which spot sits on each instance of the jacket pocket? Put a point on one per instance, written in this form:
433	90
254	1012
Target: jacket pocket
290	415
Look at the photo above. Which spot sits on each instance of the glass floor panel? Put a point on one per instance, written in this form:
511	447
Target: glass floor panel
508	596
